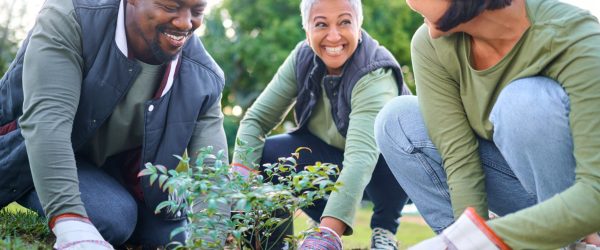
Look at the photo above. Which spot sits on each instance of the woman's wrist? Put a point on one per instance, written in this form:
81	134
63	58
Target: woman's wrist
338	226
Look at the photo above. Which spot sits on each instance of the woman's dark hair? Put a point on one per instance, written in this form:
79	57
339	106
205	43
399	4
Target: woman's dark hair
461	11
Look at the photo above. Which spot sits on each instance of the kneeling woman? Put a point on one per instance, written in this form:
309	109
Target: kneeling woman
509	93
336	81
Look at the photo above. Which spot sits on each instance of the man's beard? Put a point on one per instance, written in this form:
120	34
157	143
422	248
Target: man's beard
158	53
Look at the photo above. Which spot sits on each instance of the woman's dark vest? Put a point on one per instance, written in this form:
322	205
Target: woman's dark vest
107	76
310	71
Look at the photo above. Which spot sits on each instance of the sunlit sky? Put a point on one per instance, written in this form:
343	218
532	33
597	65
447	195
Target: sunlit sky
591	5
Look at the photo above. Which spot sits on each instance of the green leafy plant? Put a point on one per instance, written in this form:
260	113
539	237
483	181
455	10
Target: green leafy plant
200	189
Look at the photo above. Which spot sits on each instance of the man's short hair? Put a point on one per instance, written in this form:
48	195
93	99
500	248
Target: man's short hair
306	6
462	11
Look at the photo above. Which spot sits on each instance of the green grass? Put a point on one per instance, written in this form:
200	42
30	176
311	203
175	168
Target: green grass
21	229
412	230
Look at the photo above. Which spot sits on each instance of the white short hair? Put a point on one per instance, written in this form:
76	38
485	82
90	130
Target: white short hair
306	6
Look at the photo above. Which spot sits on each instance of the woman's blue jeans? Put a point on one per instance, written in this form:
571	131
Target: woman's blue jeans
387	196
529	159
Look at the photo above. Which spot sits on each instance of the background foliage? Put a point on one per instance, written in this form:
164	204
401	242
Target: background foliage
249	39
11	16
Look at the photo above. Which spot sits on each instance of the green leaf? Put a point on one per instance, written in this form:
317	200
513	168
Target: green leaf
241	204
296	181
183	165
177	231
292	160
218	164
153	178
162	205
147	171
238	216
161	168
212	204
302	148
221	154
237	234
162	179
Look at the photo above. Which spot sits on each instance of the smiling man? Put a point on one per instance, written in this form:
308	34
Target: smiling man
98	89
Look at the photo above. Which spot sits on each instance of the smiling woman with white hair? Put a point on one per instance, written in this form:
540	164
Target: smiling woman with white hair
336	81
306	6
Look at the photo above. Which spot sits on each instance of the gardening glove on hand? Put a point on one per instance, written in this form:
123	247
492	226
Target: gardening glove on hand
78	233
242	170
469	232
323	239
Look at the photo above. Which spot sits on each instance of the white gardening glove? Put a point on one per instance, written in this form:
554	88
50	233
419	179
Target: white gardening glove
78	233
469	232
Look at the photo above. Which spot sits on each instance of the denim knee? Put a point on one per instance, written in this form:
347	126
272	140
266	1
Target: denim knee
399	125
116	224
526	106
532	130
394	126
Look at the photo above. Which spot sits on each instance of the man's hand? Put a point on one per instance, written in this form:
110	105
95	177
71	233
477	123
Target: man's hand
78	233
469	232
323	239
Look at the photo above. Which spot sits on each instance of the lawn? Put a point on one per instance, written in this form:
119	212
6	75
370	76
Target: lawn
22	229
32	232
412	230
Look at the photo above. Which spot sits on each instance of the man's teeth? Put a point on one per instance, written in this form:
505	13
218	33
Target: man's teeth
174	37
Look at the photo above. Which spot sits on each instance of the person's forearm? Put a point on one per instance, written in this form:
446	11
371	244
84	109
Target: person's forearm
447	125
253	136
264	115
209	131
369	96
568	217
354	177
467	191
51	85
269	110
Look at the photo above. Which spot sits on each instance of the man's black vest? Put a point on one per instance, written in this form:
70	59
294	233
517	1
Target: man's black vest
310	72
107	76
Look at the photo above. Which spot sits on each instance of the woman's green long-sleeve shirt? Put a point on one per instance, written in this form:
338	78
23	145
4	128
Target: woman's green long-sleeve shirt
562	43
369	95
